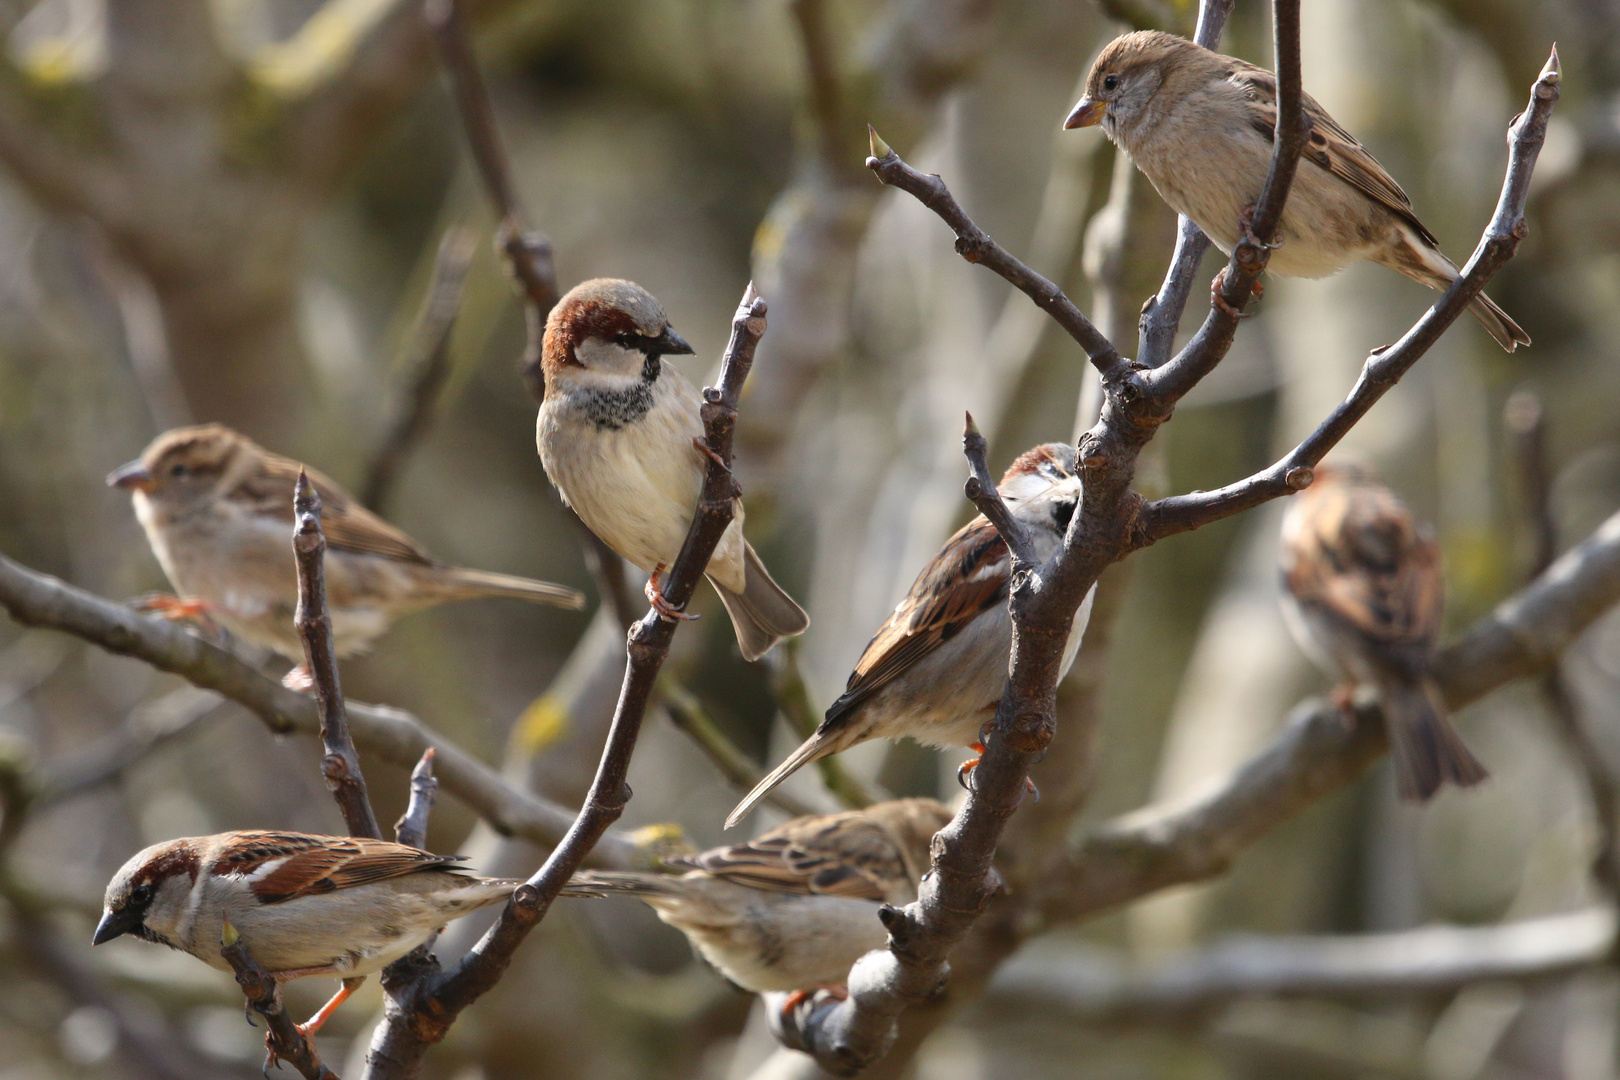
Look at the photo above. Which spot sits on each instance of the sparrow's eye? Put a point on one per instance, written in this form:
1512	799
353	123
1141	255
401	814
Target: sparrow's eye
1111	82
141	895
179	471
627	340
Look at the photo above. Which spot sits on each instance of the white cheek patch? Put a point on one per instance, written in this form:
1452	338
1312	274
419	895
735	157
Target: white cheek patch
609	358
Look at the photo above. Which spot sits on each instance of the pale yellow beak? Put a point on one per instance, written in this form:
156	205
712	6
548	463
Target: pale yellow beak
1086	114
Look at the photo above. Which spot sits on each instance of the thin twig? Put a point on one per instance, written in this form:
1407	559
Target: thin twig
341	764
421	1013
1385	367
283	1039
151	726
411	828
686	712
1526	420
981	492
428	365
1161	315
38	600
825	95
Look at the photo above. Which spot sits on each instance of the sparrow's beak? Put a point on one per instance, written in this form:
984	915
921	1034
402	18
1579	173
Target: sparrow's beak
1086	114
669	343
115	924
131	477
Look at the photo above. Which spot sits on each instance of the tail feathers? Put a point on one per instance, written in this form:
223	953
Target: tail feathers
818	745
1427	749
1508	334
573	888
762	614
476	584
600	883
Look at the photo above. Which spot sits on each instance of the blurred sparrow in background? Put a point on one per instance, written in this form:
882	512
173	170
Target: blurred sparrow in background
339	906
794	908
218	511
1364	598
1200	126
938	665
621	436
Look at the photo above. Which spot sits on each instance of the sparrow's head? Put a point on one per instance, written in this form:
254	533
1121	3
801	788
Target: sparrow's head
1127	75
148	892
184	466
1041	485
608	332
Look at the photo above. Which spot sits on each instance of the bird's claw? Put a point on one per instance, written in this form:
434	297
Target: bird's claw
702	446
1219	301
666	610
1246	223
967	767
179	609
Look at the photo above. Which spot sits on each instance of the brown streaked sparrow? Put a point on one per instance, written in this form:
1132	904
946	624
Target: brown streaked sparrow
938	665
621	436
218	511
340	906
1364	596
794	908
1200	126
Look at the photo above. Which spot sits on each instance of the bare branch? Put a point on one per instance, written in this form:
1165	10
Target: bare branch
1426	960
688	715
421	1013
1385	367
428	367
411	828
974	245
1161	315
283	1039
151	726
37	600
981	492
341	765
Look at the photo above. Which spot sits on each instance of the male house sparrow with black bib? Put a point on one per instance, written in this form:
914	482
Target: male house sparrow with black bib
218	511
1200	126
938	665
1364	598
338	906
621	437
794	908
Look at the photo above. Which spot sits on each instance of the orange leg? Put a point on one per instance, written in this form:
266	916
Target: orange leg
665	609
972	763
348	986
1216	298
179	609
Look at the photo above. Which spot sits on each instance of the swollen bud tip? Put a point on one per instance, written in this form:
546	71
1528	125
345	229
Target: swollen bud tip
228	935
880	149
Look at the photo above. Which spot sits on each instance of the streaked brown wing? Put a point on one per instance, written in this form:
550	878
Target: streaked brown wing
1330	146
320	864
841	854
966	578
348	525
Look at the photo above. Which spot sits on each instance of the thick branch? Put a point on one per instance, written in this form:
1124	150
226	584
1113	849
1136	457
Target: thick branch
1385	367
1249	257
283	1038
37	600
421	1014
974	245
411	828
341	765
1318	752
1161	315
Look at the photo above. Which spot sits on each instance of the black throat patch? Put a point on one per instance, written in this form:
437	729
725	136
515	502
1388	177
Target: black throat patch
614	409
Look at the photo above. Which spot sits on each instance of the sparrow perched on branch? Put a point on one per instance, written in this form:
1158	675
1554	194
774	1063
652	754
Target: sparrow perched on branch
339	906
1364	598
218	511
621	436
938	665
1200	125
794	908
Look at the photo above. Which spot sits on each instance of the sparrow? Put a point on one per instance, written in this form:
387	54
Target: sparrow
621	437
1364	595
304	905
938	665
794	908
1200	125
218	511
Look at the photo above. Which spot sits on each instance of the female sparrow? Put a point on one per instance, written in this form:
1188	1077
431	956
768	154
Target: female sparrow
1364	598
794	908
621	436
1200	126
304	905
218	511
938	665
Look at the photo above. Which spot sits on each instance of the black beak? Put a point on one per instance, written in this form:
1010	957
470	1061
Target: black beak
131	477
669	343
115	924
